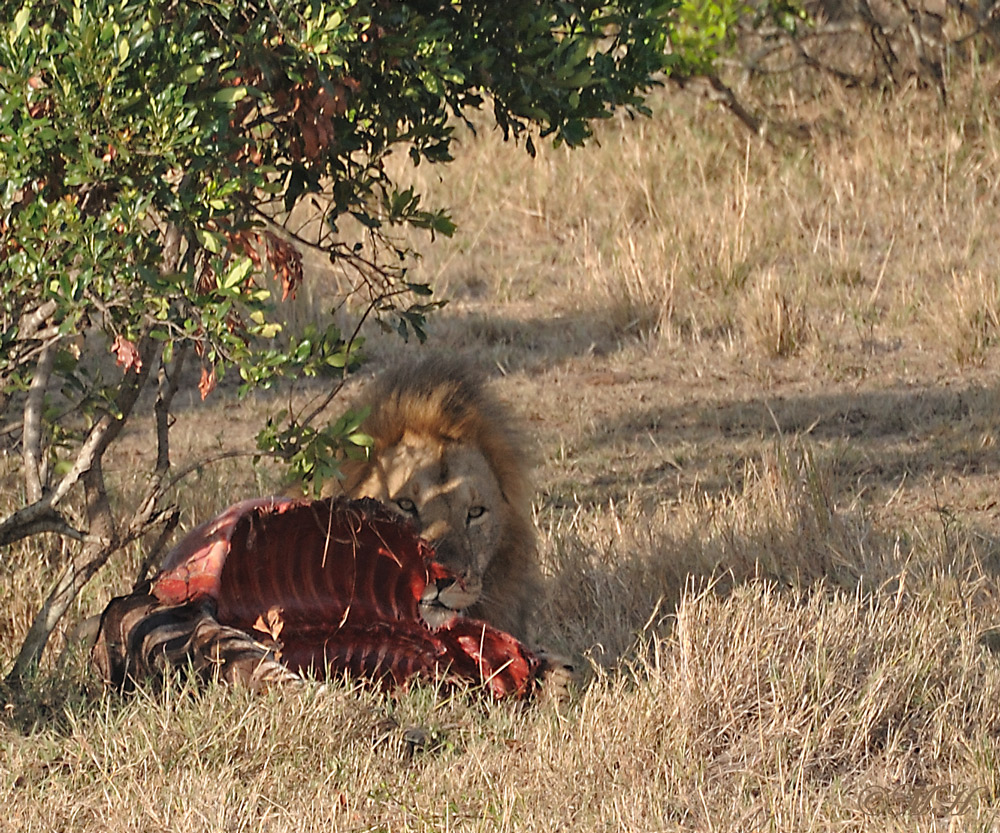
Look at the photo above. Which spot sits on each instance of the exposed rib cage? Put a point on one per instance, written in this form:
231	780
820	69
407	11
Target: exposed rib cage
272	588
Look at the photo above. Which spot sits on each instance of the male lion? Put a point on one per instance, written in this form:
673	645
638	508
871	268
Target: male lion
447	456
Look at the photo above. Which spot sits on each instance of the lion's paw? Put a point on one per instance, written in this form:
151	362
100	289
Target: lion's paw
556	679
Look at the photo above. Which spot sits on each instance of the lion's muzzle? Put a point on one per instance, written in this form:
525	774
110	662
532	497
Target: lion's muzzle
443	599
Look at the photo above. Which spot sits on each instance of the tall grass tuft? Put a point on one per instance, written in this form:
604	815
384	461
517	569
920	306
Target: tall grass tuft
969	320
774	316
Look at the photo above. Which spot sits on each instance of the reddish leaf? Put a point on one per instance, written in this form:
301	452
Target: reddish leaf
207	383
126	354
245	241
286	262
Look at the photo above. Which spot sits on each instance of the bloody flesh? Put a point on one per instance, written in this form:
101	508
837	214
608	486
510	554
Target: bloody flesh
336	585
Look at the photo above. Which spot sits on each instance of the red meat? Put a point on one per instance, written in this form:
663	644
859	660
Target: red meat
337	586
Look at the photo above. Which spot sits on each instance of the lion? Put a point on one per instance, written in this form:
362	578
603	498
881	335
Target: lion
447	457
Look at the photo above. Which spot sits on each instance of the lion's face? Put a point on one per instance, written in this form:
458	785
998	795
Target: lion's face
449	457
450	493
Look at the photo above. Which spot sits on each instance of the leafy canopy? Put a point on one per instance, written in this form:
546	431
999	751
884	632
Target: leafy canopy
151	156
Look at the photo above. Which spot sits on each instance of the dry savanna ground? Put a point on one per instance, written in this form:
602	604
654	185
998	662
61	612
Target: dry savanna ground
760	377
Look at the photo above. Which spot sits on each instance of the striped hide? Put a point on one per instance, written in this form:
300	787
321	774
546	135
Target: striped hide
141	639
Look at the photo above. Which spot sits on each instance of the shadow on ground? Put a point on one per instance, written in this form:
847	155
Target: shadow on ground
532	344
865	440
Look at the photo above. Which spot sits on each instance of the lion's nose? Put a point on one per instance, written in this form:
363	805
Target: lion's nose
444	583
446	554
435	531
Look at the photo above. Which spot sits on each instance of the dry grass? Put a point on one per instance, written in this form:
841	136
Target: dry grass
774	318
762	378
971	316
666	226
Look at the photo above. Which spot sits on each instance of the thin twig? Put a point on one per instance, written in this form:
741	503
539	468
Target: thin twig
344	253
153	556
332	394
193	467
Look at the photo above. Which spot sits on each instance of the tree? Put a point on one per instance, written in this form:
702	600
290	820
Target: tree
151	159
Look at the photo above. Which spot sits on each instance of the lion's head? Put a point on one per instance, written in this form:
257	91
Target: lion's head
448	458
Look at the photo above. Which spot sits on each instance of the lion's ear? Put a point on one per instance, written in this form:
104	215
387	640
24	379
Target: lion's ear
332	488
353	474
294	489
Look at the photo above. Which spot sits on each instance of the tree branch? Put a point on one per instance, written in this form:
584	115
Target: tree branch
59	599
31	435
167	384
30	324
153	556
171	249
713	88
53	522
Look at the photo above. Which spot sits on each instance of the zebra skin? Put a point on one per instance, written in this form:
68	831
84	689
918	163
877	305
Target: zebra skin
142	639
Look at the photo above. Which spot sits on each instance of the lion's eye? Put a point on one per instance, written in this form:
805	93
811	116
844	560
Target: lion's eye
476	512
407	505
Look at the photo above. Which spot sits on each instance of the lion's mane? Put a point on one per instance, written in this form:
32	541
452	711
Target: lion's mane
444	401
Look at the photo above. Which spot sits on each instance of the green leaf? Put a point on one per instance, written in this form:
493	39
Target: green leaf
419	289
361	439
367	220
443	224
210	240
191	74
20	22
237	273
230	95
